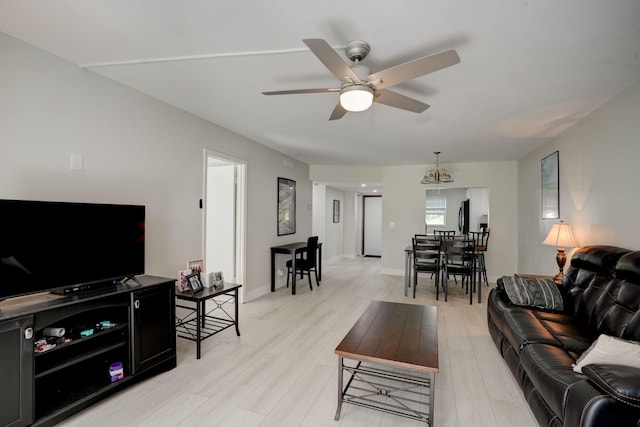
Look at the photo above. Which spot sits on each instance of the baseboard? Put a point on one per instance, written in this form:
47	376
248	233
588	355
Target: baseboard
257	293
392	272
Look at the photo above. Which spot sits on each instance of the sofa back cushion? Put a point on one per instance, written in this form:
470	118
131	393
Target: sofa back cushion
602	288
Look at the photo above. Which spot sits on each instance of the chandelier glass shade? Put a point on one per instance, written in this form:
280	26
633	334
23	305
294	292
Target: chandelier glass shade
437	175
356	97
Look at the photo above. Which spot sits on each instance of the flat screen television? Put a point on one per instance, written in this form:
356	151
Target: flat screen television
62	246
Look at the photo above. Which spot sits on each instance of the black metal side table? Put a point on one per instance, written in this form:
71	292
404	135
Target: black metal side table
198	324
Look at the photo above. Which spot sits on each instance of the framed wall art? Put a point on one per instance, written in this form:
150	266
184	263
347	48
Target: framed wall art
336	211
550	172
286	206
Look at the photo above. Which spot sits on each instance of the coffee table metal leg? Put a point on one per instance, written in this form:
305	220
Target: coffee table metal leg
340	368
432	392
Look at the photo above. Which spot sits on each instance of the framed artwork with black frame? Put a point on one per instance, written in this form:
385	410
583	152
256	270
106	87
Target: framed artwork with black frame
195	284
336	211
286	206
550	172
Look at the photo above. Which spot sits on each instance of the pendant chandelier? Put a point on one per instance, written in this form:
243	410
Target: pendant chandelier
437	175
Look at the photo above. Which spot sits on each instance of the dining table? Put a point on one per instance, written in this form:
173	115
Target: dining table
408	270
293	249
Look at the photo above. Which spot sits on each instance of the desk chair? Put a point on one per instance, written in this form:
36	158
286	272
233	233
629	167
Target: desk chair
306	263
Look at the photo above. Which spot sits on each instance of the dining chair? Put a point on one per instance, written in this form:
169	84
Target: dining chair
426	259
306	263
444	234
481	239
459	260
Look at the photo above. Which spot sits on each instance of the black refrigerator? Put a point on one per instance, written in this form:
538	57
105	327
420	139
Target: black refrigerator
463	217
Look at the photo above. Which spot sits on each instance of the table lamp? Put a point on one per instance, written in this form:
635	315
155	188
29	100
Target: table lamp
561	237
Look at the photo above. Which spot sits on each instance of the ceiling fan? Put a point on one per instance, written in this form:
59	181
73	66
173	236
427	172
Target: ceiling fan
359	89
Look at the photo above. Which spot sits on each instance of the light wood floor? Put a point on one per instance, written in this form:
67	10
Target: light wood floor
282	371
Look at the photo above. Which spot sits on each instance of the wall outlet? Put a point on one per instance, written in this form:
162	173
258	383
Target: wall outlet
280	272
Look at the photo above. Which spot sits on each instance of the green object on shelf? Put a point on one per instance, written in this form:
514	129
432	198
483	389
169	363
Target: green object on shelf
86	333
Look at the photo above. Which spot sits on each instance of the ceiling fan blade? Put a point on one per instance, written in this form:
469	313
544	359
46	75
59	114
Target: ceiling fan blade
412	69
394	99
295	91
330	58
338	112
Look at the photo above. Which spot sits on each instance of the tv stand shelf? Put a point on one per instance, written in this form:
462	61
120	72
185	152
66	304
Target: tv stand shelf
131	324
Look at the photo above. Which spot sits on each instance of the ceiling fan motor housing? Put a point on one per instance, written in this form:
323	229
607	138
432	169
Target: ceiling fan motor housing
357	50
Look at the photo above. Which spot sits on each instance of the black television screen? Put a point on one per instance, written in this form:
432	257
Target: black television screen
61	245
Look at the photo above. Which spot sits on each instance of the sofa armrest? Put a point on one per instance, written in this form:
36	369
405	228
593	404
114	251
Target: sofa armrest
588	406
621	382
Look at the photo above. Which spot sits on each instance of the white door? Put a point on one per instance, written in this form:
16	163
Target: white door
372	224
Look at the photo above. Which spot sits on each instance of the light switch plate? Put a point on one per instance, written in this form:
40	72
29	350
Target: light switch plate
77	162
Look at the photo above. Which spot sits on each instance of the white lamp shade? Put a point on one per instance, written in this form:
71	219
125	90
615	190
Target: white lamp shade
560	236
356	98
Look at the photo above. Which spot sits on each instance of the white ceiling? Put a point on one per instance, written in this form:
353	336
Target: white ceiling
528	70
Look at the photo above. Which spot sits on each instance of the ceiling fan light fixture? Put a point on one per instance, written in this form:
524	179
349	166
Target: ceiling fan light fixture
356	97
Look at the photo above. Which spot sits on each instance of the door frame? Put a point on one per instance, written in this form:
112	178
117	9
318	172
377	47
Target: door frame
240	213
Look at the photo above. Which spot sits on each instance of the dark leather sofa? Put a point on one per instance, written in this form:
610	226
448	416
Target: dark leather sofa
601	295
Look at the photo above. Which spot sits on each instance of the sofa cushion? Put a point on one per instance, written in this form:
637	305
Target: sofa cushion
549	370
610	350
599	259
628	267
621	382
573	336
533	292
522	327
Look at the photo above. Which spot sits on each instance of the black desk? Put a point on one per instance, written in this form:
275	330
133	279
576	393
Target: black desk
292	249
198	324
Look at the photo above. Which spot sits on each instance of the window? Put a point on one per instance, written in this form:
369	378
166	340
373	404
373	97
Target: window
436	210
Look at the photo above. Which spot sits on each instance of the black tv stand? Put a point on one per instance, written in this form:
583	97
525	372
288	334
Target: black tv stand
134	278
44	384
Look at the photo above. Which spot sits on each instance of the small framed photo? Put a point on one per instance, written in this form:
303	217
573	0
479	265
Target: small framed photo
183	285
195	285
196	266
218	279
207	280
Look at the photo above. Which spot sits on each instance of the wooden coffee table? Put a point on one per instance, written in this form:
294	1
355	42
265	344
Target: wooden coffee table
395	347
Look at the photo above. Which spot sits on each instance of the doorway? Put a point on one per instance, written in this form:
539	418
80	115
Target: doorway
372	226
225	217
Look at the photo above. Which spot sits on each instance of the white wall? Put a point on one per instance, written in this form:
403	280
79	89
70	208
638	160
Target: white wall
333	246
599	178
136	150
336	173
332	235
319	212
352	231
